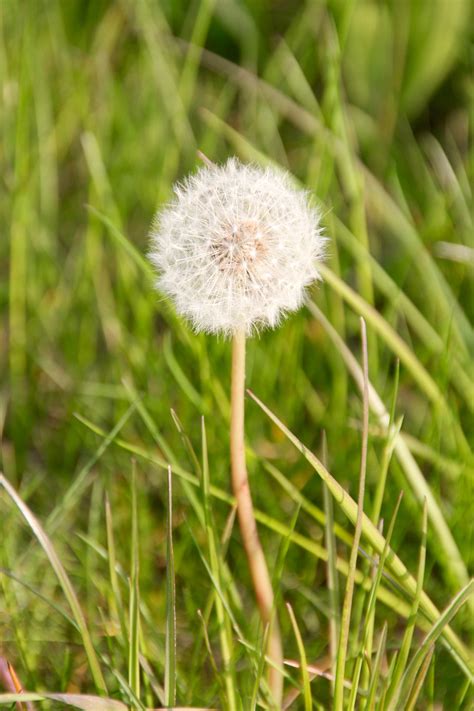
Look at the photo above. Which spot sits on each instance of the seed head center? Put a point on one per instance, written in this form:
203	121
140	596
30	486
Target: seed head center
241	246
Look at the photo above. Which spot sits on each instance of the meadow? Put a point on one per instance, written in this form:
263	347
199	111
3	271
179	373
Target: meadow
121	581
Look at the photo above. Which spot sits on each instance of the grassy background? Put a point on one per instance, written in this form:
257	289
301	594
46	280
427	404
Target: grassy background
104	105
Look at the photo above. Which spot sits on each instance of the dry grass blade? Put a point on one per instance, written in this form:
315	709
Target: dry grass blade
87	702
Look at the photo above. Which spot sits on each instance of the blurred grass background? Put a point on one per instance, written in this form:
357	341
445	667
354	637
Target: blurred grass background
104	105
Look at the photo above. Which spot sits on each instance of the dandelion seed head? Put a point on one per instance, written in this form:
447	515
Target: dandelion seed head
236	247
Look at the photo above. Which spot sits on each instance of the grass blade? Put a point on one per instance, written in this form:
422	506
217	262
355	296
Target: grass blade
347	604
308	703
419	681
424	649
366	648
393	691
375	672
332	577
86	702
112	560
134	636
170	658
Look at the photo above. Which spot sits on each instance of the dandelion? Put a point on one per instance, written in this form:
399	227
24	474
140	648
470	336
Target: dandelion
235	250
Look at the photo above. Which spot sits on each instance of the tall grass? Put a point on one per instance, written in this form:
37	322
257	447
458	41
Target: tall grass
110	586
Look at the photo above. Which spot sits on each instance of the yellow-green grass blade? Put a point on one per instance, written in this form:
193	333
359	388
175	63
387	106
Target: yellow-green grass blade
332	579
424	648
170	654
305	503
375	672
134	606
113	576
419	681
369	617
393	690
37	593
305	680
350	582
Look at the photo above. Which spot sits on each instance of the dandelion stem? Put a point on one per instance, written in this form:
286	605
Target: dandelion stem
248	527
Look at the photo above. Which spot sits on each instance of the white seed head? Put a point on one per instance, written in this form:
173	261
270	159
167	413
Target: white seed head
236	248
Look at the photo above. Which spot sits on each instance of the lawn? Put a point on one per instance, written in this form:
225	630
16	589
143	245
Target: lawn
123	581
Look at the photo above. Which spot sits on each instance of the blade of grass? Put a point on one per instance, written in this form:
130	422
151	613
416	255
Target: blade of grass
333	580
347	604
259	673
164	447
170	656
114	582
210	653
393	690
305	503
375	672
86	702
308	703
134	612
366	651
419	681
40	596
393	430
423	650
64	581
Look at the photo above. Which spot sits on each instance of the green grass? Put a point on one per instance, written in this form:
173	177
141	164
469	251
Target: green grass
112	586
